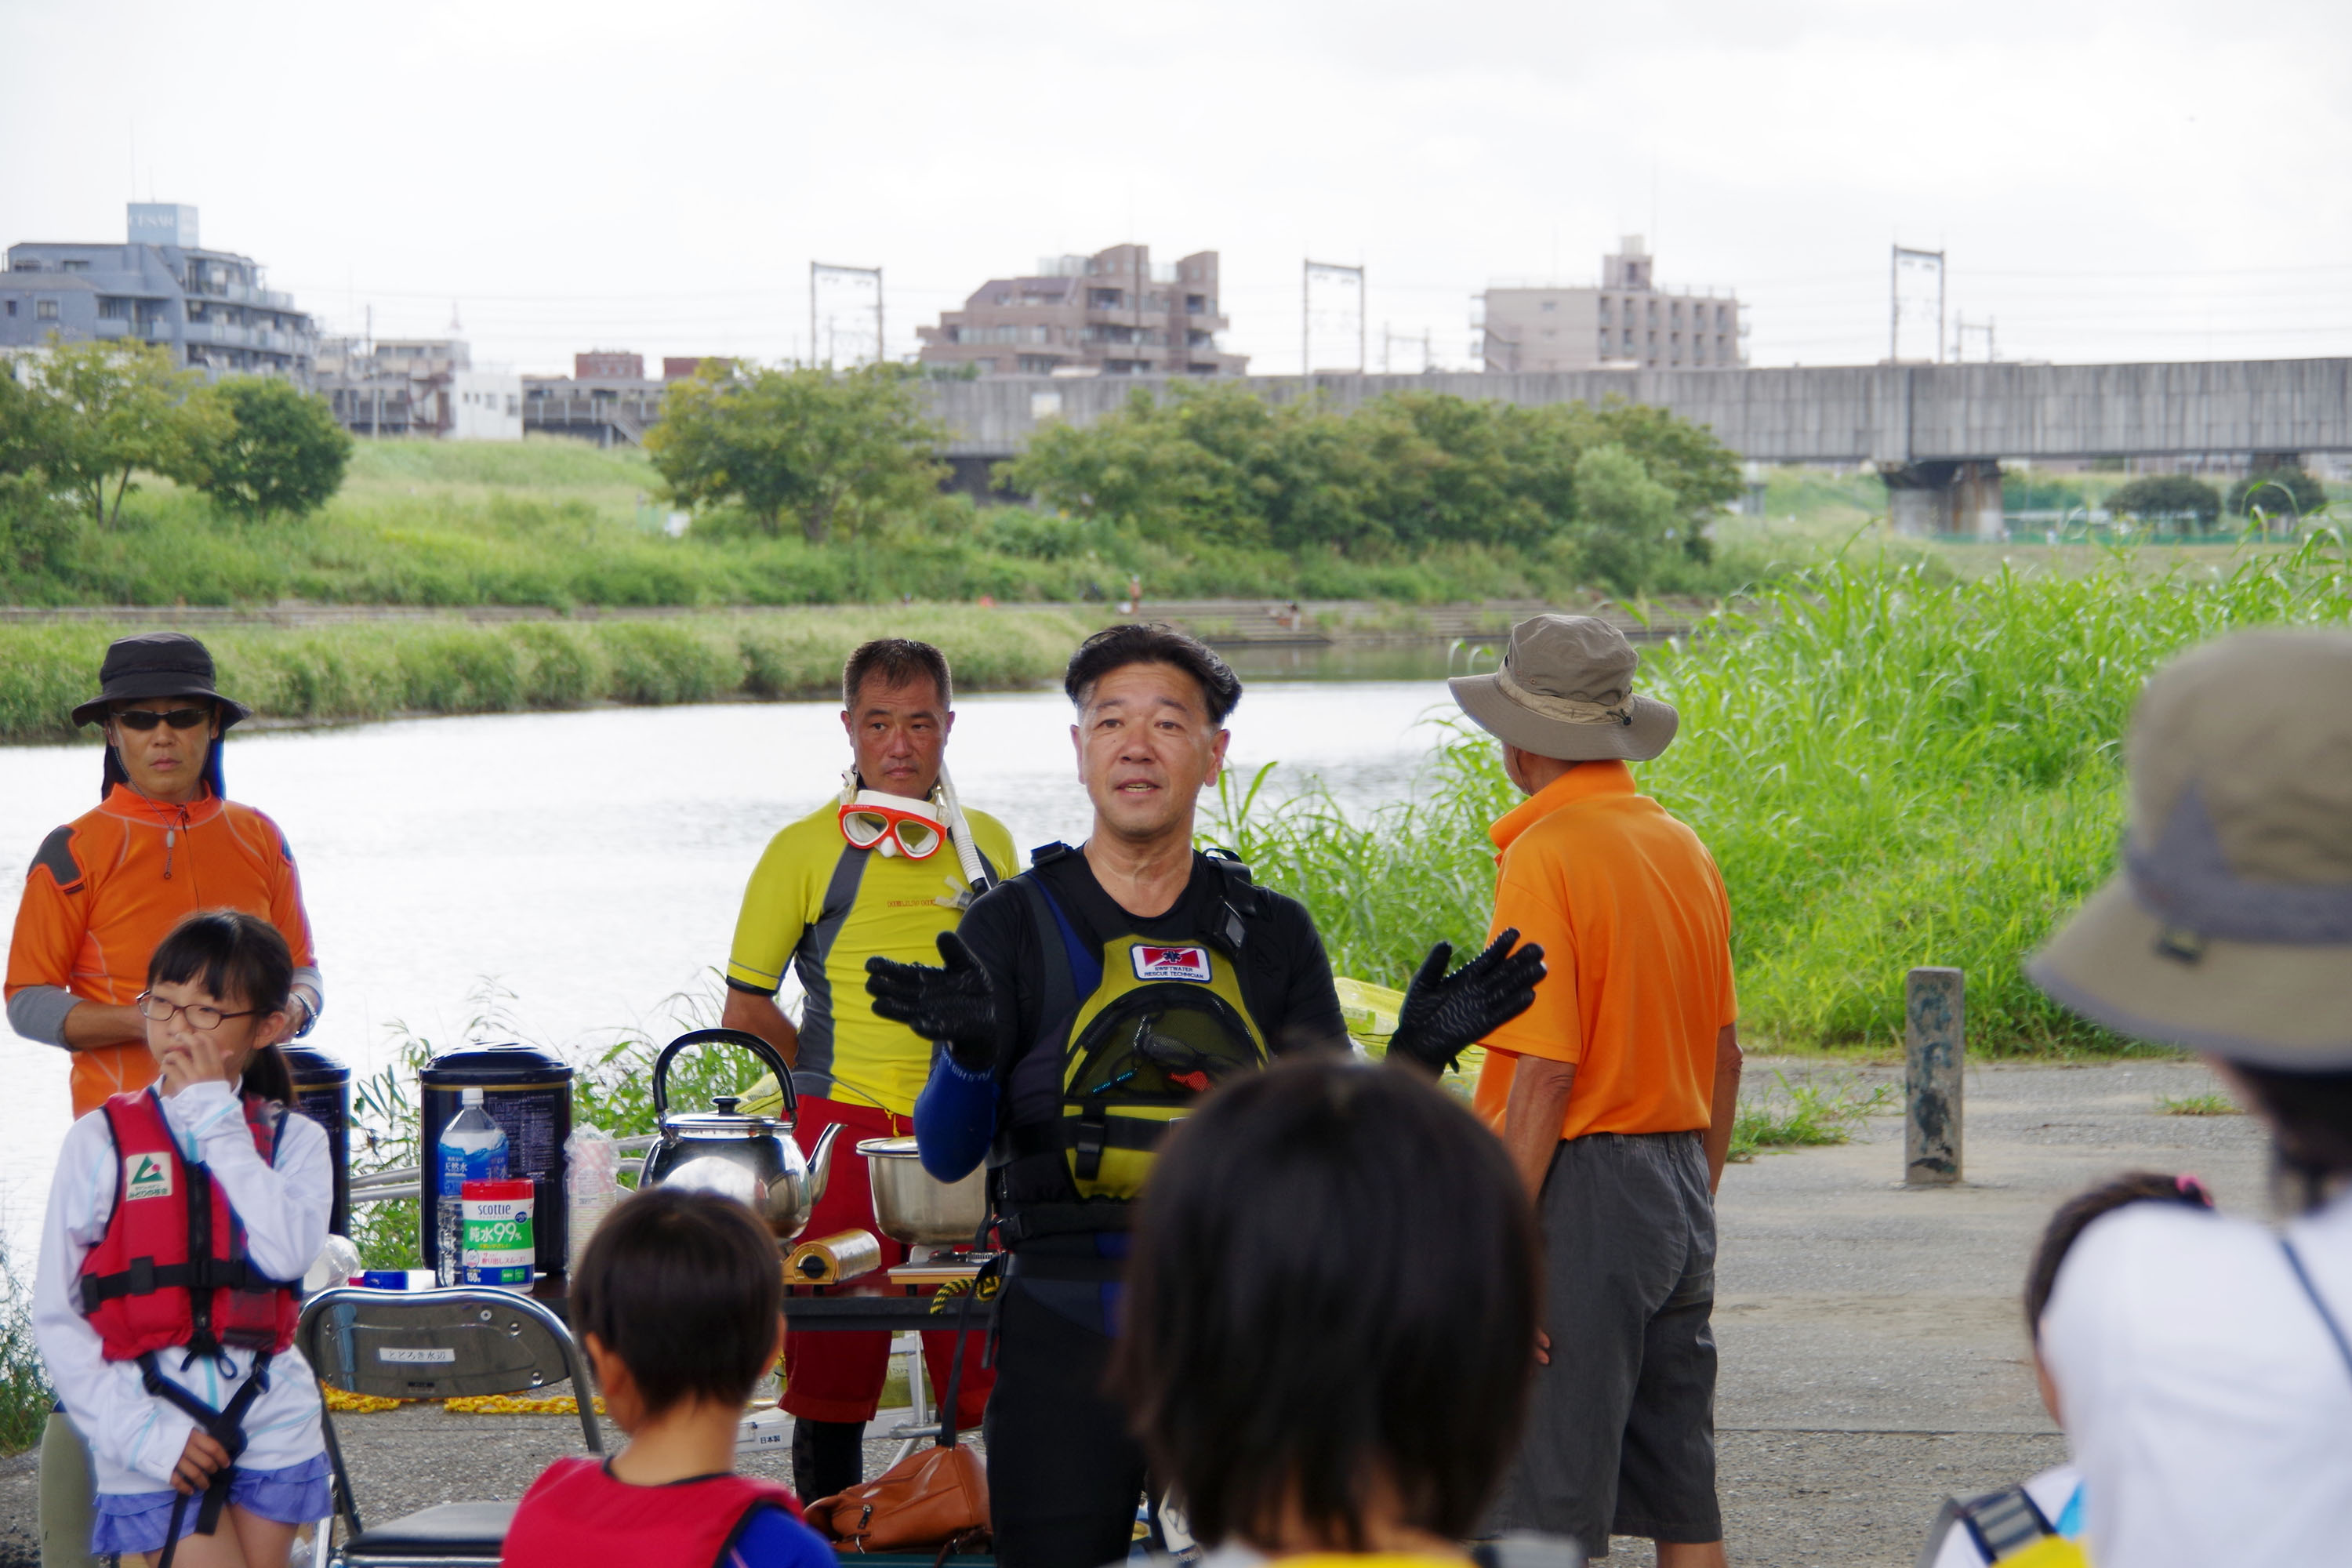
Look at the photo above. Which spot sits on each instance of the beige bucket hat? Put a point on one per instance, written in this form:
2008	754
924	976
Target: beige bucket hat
2229	929
1566	691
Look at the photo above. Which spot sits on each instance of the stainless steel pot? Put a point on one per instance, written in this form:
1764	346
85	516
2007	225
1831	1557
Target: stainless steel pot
912	1206
751	1159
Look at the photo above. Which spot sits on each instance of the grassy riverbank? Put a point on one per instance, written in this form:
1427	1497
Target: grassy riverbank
375	669
557	523
1892	768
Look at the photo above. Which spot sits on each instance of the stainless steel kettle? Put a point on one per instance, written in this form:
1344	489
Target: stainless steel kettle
751	1159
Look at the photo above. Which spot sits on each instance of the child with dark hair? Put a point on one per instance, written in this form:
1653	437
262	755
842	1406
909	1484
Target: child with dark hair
1331	1319
1984	1530
679	1303
179	1224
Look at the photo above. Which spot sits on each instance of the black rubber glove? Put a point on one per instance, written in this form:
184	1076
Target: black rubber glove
1443	1012
956	1004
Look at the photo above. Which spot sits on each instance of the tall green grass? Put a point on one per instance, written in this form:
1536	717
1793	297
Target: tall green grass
25	1397
1892	768
373	669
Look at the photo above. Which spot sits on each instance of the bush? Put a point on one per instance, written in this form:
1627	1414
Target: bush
37	531
277	449
2169	495
1216	469
2281	492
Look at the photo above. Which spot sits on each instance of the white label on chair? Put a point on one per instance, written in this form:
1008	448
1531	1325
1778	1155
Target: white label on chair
429	1355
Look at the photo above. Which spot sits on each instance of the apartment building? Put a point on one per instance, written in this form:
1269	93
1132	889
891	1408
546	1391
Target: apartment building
426	388
210	308
1626	323
1111	313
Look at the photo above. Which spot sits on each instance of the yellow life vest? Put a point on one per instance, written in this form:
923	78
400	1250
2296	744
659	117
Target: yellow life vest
1166	1025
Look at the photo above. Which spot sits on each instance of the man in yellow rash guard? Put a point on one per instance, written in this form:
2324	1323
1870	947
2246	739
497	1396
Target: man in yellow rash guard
823	906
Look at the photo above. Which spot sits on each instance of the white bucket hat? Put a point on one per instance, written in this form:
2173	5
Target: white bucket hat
1566	691
2229	929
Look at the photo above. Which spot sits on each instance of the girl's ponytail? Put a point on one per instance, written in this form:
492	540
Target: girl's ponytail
267	1075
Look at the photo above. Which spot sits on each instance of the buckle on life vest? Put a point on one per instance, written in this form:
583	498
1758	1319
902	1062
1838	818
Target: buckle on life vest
1088	1142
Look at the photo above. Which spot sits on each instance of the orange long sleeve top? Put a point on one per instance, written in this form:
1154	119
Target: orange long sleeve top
106	888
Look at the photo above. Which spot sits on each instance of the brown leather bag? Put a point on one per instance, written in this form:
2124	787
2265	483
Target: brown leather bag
932	1497
935	1496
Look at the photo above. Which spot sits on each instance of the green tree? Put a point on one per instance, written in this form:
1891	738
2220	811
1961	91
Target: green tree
1626	522
115	409
2280	492
274	448
1214	464
832	451
2168	496
36	528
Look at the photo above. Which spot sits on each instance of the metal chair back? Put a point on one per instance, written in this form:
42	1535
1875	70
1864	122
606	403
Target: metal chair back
437	1344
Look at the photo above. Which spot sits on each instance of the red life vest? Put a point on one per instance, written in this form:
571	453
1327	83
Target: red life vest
172	1269
576	1512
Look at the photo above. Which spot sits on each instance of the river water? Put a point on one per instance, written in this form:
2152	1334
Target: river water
578	872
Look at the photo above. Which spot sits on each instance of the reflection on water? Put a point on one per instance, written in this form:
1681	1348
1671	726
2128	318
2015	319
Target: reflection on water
590	864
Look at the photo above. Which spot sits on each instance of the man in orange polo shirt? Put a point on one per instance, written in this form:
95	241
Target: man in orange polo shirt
1614	1094
162	843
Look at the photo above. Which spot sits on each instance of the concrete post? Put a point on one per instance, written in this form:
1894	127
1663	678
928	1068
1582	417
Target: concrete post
1935	1019
1942	498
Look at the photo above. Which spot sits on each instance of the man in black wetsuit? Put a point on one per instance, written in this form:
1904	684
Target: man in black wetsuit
1085	1005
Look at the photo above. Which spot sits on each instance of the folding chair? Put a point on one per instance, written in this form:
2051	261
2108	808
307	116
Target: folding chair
433	1344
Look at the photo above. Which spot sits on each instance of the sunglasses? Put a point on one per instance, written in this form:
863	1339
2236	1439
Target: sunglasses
142	719
867	823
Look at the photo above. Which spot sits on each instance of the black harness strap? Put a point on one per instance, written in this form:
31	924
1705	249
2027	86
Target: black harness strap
225	1426
1027	1222
145	1276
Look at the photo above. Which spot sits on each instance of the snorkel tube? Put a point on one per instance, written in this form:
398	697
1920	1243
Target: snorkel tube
975	869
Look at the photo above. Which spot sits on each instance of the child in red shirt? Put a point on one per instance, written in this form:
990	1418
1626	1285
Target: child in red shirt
679	1301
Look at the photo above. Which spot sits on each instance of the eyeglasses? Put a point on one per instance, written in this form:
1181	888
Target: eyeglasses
144	719
156	1009
893	822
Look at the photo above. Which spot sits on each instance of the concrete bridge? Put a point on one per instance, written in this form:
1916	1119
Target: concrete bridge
1937	433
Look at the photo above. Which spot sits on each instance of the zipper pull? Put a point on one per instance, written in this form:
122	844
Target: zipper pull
171	837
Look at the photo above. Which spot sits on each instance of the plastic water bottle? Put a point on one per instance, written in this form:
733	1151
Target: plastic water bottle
591	1185
473	1148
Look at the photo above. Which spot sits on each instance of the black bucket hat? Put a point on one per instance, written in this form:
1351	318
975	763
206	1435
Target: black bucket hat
157	664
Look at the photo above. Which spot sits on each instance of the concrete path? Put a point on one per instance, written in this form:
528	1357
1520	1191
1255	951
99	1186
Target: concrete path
1874	1353
1874	1359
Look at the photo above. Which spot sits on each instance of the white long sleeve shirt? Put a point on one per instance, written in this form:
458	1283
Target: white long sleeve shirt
135	1437
2205	1403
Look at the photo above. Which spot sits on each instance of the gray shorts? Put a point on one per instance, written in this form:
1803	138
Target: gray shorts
1621	1426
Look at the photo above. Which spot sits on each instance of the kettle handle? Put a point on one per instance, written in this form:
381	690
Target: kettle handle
752	1042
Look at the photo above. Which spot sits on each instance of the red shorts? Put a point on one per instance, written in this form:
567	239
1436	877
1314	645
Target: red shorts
839	1376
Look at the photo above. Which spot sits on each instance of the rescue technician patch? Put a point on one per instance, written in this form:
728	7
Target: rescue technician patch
1170	962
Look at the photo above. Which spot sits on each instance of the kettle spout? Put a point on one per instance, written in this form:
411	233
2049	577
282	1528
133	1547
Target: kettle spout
821	1162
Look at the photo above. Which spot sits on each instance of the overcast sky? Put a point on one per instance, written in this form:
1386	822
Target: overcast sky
2162	179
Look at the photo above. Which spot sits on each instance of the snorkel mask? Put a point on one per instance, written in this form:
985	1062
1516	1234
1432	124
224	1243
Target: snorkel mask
898	826
893	823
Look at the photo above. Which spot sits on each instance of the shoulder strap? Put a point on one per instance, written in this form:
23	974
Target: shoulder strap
1241	901
2318	1302
1083	971
2003	1522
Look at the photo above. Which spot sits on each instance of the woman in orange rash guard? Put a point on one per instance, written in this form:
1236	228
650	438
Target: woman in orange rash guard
164	842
